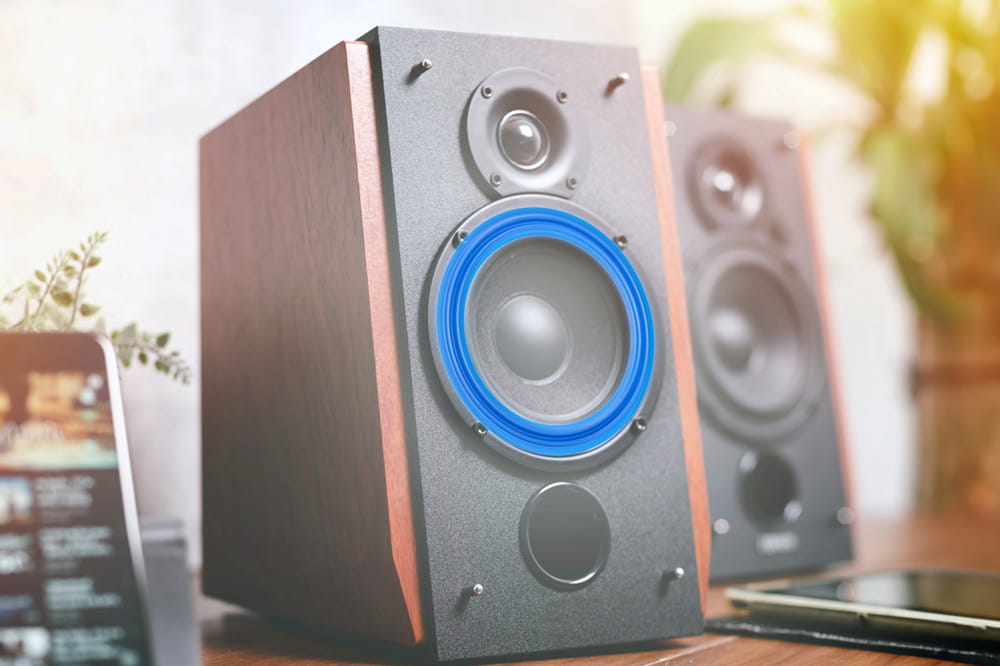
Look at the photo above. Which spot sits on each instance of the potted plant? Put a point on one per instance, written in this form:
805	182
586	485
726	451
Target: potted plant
53	299
936	197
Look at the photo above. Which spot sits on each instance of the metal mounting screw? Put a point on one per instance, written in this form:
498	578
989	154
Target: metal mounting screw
426	64
845	516
571	183
562	96
678	573
619	80
670	127
496	179
487	92
477	589
639	425
459	237
479	429
721	526
621	241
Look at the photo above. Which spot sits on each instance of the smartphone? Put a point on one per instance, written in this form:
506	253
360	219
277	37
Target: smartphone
919	603
72	584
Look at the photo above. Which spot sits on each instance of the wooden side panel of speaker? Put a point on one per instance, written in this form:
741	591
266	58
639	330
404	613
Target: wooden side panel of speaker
307	504
826	319
674	269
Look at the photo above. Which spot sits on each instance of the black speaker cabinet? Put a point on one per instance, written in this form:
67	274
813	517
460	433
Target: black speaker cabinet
447	394
766	389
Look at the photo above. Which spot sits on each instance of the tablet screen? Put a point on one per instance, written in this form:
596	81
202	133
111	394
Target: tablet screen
965	594
68	585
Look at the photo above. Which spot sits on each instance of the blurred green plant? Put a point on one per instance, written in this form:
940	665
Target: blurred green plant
53	299
935	158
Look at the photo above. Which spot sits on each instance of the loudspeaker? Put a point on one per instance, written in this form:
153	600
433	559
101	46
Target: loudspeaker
447	391
773	445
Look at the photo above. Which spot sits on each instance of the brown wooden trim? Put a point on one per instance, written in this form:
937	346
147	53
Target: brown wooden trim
307	507
826	321
677	308
394	456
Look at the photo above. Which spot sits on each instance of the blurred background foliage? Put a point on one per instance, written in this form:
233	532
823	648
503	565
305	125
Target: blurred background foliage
926	76
927	71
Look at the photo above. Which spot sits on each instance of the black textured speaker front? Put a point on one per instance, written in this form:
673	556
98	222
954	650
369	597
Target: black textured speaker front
756	342
726	184
546	340
525	134
565	535
769	490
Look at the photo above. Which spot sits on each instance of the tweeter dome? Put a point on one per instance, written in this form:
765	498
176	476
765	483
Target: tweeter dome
448	395
766	389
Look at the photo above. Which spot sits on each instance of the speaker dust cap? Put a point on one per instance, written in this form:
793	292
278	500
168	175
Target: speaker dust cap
525	134
543	334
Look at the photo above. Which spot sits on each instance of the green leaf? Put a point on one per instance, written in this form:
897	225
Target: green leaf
162	339
73	255
710	42
129	334
63	298
70	271
93	261
162	367
88	310
40	276
143	358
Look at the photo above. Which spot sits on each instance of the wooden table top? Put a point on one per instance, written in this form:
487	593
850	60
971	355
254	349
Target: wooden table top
233	636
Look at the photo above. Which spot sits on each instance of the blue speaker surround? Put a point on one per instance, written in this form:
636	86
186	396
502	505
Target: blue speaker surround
489	232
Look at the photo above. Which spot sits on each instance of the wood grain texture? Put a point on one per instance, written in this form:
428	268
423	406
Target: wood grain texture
826	321
307	507
680	332
948	540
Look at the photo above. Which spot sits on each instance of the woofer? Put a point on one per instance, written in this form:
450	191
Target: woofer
545	336
756	342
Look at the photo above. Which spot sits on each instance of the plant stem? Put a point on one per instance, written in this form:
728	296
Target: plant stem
79	283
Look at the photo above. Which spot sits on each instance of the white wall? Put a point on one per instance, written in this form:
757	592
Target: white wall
101	107
103	102
873	321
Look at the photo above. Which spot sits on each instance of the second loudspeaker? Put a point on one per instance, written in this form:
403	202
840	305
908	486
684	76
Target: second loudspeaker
766	390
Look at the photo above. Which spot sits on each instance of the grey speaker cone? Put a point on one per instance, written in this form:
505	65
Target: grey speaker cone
726	184
757	342
547	333
525	134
